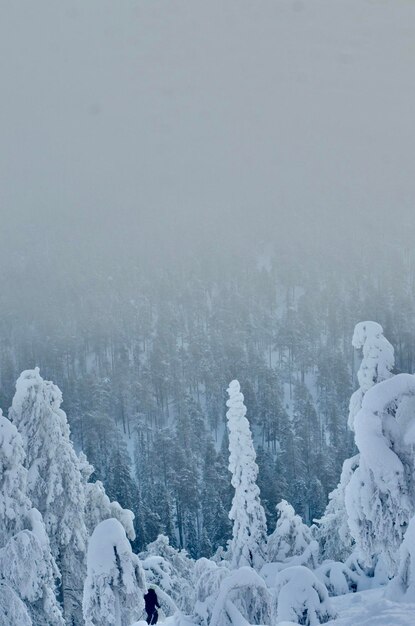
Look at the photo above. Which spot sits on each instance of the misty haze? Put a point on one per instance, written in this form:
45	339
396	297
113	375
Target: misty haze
207	226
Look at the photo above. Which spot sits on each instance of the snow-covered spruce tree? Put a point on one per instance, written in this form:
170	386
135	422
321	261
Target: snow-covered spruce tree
98	506
249	535
243	598
380	495
115	582
26	562
292	539
300	598
208	578
55	484
160	557
377	364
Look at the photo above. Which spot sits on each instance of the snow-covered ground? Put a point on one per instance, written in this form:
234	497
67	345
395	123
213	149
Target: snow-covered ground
370	608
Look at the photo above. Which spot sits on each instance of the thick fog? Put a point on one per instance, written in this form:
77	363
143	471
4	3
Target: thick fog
154	124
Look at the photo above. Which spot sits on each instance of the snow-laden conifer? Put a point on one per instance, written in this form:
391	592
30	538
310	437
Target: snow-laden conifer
380	495
26	562
301	598
54	479
27	566
14	503
171	570
243	598
377	364
249	535
292	538
115	583
98	508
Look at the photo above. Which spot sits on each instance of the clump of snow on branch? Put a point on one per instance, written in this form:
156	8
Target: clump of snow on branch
301	598
249	536
114	586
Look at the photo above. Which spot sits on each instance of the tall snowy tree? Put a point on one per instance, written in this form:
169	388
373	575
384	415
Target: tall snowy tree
55	484
376	366
26	562
380	494
115	583
249	535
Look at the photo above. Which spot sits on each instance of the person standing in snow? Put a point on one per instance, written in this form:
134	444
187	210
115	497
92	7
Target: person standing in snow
152	604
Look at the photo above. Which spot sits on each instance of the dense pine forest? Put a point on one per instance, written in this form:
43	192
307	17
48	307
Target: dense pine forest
143	356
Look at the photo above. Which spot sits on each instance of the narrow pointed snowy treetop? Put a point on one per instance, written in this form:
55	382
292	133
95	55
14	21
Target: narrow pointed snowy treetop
377	363
248	545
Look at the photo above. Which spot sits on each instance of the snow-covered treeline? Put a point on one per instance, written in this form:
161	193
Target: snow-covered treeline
65	551
144	367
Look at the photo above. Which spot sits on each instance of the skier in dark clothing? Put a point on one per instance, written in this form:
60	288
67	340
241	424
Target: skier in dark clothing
152	604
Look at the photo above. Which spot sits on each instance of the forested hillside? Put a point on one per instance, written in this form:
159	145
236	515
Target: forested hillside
143	357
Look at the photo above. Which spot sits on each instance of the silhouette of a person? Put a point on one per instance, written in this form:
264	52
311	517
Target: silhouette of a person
152	604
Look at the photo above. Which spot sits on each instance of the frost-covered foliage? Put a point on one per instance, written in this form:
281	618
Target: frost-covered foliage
402	586
98	507
333	532
172	571
26	562
13	612
160	575
377	363
55	484
379	496
115	583
54	480
243	597
208	580
301	598
14	503
249	536
292	538
338	578
27	566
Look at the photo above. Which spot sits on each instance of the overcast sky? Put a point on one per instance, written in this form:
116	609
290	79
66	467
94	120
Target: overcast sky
165	116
